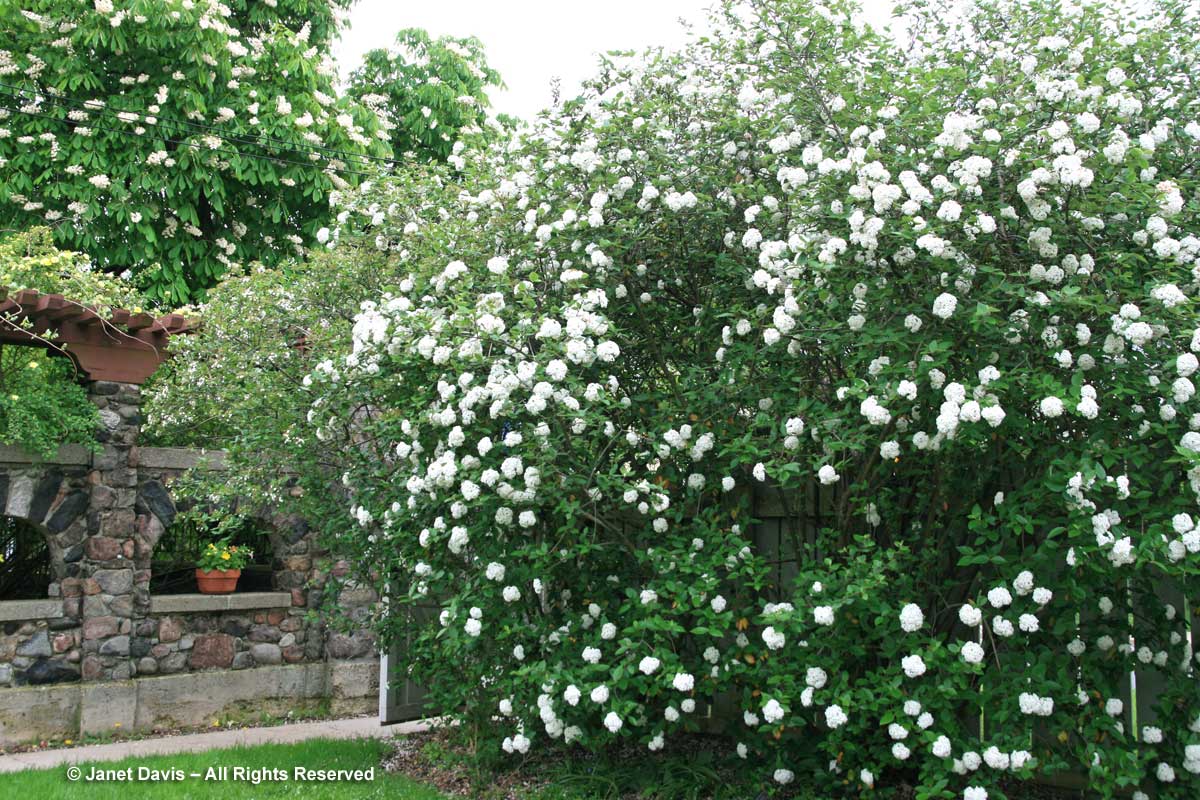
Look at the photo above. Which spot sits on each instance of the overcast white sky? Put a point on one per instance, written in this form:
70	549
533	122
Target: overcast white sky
532	41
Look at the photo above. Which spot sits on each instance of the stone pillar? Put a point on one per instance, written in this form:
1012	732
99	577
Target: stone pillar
291	539
115	586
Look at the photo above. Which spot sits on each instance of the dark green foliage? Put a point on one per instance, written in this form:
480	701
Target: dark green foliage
172	141
429	89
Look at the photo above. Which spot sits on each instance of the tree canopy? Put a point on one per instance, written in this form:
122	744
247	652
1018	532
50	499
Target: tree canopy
174	139
431	90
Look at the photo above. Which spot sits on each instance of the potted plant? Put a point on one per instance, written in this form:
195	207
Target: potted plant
220	566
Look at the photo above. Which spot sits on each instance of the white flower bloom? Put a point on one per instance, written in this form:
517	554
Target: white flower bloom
949	211
970	616
999	597
911	618
972	653
945	305
1051	407
913	666
773	638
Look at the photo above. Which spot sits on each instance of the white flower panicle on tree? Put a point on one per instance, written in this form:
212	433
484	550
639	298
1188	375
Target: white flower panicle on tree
202	163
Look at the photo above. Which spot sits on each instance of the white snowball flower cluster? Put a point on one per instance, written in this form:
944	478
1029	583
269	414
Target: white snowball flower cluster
972	653
913	666
911	618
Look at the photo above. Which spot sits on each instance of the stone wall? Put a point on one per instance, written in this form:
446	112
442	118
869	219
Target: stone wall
103	512
100	621
41	642
32	651
147	703
193	633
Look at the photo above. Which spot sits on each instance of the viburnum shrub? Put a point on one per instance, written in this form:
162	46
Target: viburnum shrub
946	277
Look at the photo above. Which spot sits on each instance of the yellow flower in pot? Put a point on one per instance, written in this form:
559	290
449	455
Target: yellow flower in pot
220	566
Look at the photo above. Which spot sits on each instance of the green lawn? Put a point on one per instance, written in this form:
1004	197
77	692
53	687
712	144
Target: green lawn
318	754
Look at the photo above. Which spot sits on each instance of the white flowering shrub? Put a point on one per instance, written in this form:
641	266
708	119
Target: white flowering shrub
946	279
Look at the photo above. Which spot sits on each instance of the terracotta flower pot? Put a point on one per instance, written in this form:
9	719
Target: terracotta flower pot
217	581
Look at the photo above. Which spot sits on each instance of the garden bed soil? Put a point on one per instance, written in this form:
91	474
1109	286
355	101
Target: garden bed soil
409	757
437	759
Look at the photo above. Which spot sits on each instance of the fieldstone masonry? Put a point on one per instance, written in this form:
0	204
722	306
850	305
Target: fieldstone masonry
111	560
102	513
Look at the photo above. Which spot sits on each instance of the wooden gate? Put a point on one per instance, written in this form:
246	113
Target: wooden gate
784	534
400	699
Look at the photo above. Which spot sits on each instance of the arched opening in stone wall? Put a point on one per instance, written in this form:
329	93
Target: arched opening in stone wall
27	566
173	565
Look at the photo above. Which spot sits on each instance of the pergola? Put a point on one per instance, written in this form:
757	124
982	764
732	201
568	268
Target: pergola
118	345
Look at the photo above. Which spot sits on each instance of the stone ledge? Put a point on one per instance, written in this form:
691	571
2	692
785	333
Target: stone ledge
71	455
31	713
22	610
180	458
182	603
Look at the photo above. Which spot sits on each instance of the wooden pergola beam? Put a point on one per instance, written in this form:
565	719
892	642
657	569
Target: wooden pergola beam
27	298
137	322
126	347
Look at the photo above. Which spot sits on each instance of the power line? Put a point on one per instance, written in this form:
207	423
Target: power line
167	125
193	146
106	109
